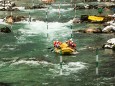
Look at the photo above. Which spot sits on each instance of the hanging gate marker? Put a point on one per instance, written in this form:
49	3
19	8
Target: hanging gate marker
97	61
61	65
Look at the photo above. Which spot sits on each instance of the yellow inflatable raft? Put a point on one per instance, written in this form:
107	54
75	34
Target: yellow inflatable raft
95	18
64	49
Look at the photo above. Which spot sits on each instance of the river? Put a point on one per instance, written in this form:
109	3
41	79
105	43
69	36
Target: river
27	60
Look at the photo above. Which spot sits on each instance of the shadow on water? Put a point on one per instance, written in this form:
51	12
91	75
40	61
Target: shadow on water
5	84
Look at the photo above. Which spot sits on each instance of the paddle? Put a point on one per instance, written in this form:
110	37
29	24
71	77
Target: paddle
51	49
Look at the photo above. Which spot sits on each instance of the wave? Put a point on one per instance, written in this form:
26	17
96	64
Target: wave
61	10
31	62
67	69
61	4
55	29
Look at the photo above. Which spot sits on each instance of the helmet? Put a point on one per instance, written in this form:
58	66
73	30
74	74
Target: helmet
71	39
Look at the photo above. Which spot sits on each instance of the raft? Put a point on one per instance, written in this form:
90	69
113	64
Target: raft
95	18
64	49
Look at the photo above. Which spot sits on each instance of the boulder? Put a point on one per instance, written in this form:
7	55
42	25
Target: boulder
93	30
113	48
110	44
5	30
9	19
35	7
12	19
76	20
90	30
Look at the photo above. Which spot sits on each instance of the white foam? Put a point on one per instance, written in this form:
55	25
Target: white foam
71	67
61	4
20	8
31	10
55	29
2	22
61	10
2	64
7	47
31	62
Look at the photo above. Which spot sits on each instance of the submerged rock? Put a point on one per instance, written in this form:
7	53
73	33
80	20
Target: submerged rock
35	7
90	30
5	30
4	84
76	20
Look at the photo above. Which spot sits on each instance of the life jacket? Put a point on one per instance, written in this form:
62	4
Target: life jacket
71	44
57	43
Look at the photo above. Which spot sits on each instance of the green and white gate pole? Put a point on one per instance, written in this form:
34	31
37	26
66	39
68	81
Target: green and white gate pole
71	3
13	21
29	18
71	31
33	3
75	11
47	20
61	65
97	61
59	9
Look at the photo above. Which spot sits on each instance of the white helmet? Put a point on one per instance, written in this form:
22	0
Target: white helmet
71	39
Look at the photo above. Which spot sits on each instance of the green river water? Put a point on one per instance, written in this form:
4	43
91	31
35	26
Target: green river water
26	60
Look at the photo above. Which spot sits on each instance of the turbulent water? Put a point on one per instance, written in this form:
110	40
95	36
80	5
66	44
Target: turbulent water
26	58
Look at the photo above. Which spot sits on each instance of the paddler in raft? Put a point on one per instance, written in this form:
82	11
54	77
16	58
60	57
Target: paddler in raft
69	43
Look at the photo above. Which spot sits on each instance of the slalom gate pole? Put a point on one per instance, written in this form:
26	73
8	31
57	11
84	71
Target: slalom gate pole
71	31
59	10
29	18
75	11
33	3
97	61
47	20
61	65
71	3
11	13
11	26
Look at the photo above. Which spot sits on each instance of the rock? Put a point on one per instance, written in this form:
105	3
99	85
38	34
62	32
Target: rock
9	19
5	30
84	18
91	30
110	44
35	7
19	18
9	9
76	20
113	48
48	1
111	41
97	30
12	19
